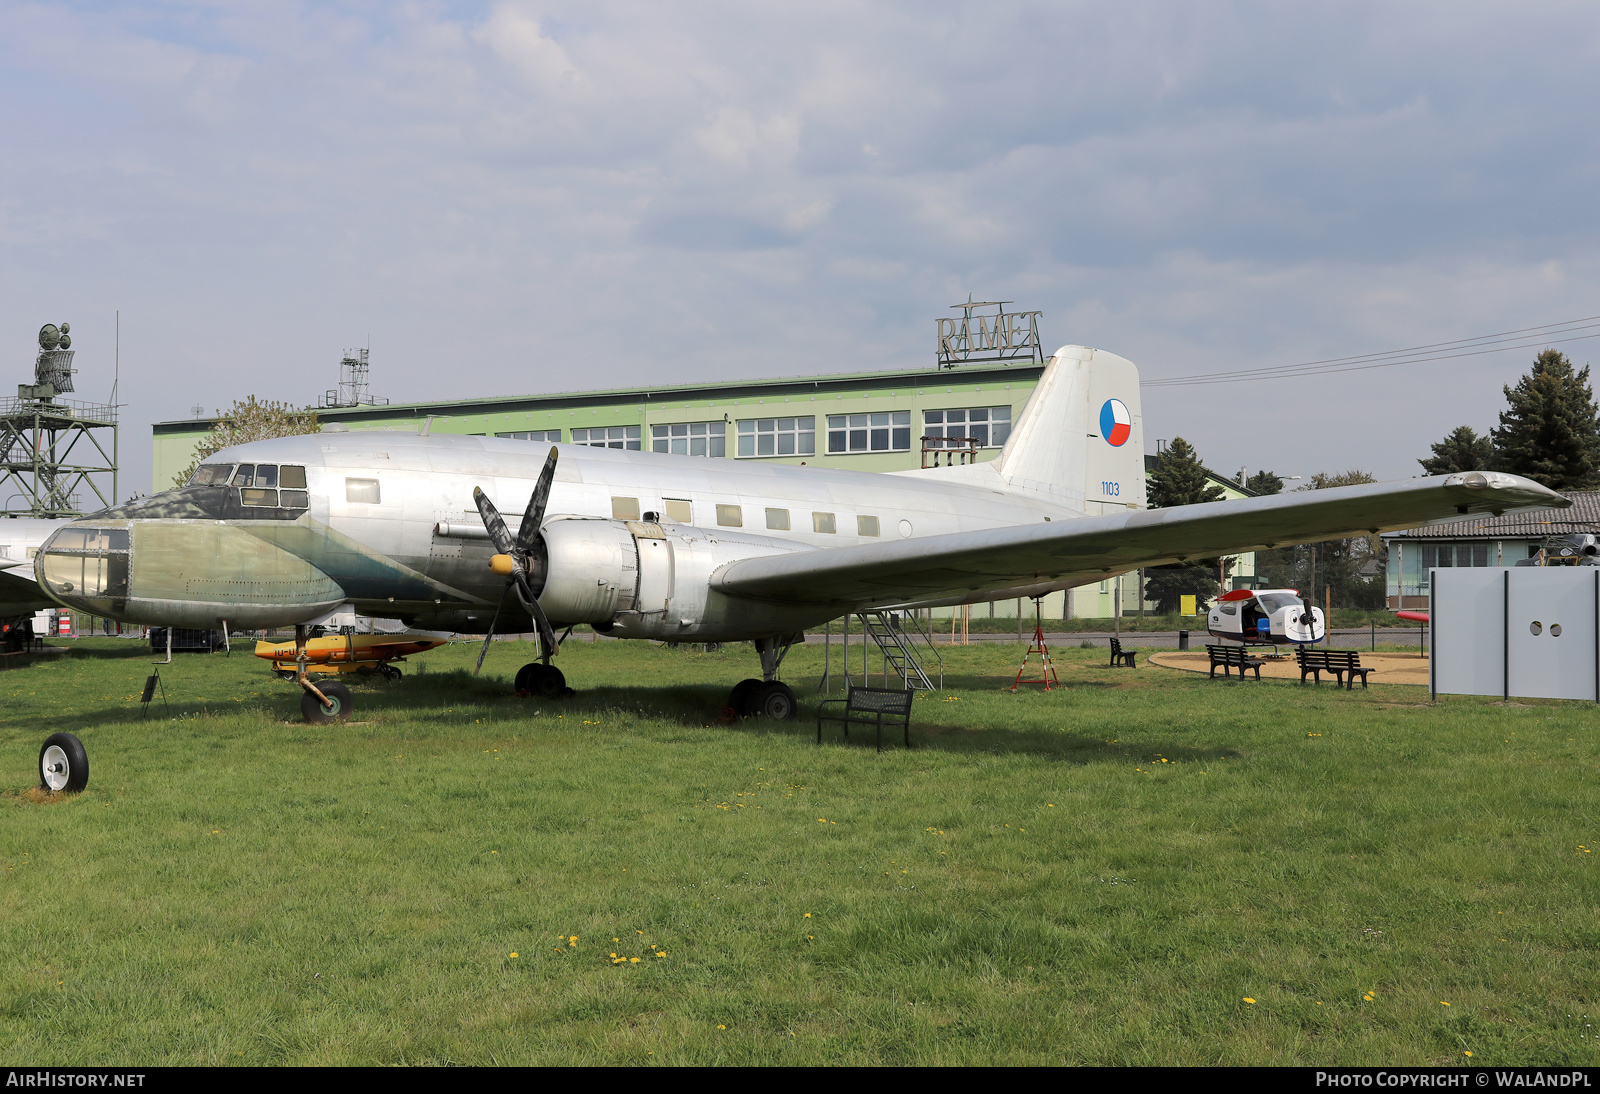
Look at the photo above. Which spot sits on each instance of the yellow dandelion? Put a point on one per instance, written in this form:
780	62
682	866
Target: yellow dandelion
1247	999
1467	1052
722	1027
1442	1003
513	953
808	915
635	960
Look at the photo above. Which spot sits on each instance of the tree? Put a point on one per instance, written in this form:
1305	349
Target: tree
1461	450
1179	478
1264	482
1549	432
251	420
1334	564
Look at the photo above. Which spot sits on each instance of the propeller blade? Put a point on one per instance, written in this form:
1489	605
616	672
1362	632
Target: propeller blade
533	518
547	633
490	636
498	535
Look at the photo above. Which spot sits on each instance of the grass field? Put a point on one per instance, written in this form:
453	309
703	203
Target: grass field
1147	867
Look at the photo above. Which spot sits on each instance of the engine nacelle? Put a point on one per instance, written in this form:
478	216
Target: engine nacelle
591	570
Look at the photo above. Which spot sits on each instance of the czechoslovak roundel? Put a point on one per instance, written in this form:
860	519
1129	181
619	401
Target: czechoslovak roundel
1115	422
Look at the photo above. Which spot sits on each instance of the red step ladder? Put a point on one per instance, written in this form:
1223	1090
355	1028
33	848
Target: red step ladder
1047	674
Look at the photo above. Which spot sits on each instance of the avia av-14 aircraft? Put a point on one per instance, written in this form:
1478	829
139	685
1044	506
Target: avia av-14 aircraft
681	548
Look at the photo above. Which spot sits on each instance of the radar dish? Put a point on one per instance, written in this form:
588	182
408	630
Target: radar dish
49	336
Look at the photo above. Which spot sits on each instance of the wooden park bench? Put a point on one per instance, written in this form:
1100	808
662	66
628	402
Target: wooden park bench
1232	657
871	707
1338	662
1121	657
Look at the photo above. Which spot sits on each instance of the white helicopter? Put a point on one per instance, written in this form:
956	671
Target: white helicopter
680	548
1277	617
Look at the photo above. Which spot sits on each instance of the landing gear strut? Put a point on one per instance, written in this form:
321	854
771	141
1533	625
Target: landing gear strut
767	697
331	702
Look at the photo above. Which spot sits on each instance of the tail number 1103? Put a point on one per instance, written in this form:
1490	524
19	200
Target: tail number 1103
1111	489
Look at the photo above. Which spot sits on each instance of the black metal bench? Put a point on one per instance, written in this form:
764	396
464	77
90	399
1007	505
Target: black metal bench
1121	657
1232	657
871	707
1341	663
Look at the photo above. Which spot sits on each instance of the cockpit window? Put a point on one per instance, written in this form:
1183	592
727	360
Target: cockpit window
266	474
246	475
1271	602
211	474
292	477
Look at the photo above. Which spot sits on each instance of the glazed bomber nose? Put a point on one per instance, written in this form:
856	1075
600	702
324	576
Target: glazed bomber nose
87	567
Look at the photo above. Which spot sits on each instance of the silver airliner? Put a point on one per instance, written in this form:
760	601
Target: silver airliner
679	548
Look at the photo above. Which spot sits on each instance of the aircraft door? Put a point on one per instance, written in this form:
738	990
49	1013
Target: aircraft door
655	568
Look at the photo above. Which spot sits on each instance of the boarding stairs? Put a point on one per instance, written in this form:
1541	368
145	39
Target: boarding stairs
899	651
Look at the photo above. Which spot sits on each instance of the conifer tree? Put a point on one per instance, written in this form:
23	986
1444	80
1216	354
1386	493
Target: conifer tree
1179	478
1549	432
1264	482
1461	450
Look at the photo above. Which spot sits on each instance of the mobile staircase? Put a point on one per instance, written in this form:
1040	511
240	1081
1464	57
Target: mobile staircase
899	651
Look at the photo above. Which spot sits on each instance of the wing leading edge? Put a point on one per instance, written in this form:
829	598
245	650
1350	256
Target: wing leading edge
1029	560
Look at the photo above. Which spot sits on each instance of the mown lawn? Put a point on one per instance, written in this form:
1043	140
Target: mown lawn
1147	867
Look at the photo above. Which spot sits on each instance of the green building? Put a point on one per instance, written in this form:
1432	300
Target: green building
867	421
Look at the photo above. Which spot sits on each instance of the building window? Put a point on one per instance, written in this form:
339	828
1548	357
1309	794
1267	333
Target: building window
778	520
678	509
988	425
778	437
690	438
551	435
624	508
730	516
362	490
882	432
822	522
866	526
1442	555
609	436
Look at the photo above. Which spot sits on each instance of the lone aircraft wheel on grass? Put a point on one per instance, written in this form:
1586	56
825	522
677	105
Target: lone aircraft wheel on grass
63	764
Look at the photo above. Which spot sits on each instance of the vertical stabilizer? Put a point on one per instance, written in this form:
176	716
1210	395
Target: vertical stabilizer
1080	439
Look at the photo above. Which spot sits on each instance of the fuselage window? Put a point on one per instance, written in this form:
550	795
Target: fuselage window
866	526
823	522
677	509
211	474
364	491
778	520
624	508
730	516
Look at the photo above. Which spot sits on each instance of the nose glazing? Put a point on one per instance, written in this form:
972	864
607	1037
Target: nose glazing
87	567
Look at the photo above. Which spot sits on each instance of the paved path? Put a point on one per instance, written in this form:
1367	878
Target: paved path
1388	668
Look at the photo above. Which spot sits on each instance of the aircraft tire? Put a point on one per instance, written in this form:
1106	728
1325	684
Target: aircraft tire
338	695
63	764
775	700
390	672
540	681
739	698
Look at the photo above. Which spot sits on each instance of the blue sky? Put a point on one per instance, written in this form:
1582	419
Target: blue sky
519	197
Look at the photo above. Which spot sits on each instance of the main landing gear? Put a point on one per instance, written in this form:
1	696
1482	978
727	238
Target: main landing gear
538	680
767	697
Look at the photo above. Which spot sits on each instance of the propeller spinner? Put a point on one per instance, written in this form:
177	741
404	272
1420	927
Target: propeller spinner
513	556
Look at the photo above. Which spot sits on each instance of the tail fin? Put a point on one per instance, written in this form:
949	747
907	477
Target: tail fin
1081	437
1080	440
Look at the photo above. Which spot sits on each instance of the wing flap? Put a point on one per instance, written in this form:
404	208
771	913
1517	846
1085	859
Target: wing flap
1031	559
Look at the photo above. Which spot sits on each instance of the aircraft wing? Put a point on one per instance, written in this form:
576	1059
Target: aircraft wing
1031	559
